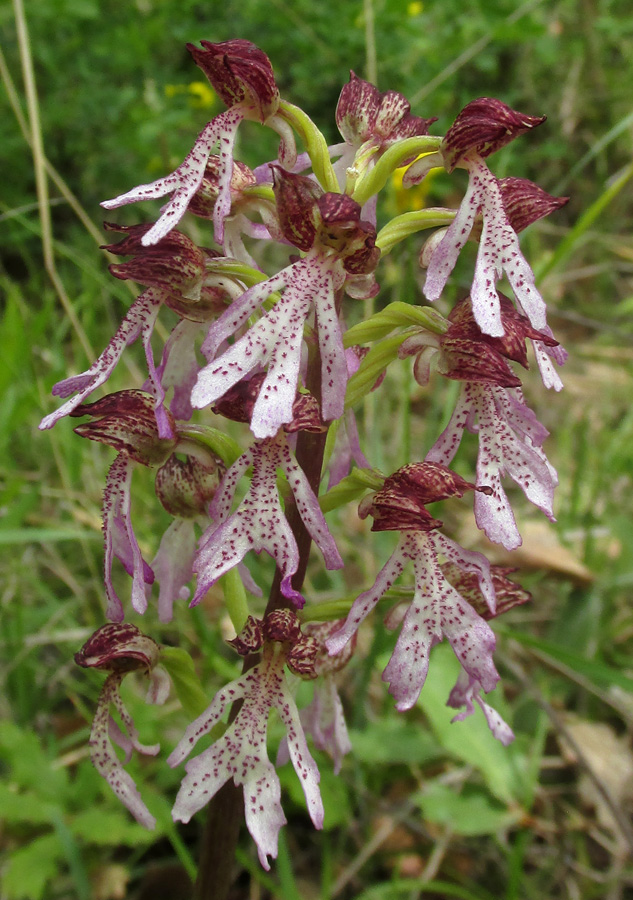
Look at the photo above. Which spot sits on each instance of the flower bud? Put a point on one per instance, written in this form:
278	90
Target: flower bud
483	127
364	113
250	638
282	625
240	73
185	489
119	648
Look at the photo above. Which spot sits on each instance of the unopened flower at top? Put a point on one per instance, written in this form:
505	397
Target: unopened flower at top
364	114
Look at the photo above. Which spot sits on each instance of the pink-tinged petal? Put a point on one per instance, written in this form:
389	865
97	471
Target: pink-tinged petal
444	255
185	181
309	509
493	514
303	763
234	690
469	561
258	524
139	321
437	610
173	564
347	450
545	357
120	540
223	500
105	759
467	690
446	446
333	363
366	602
159	687
179	368
239	312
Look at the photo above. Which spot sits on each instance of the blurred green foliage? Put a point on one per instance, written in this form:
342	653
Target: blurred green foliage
121	102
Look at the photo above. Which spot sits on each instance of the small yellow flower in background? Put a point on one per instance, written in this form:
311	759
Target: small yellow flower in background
403	199
415	8
200	94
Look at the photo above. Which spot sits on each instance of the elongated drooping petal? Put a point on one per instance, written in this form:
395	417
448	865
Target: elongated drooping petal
185	181
104	758
436	611
139	321
120	540
259	522
510	439
241	754
498	252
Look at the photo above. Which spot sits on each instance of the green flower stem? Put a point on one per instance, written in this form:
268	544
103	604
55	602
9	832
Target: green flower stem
374	180
314	143
411	222
235	598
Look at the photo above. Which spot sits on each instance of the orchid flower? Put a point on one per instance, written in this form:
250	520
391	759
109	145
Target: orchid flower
243	77
240	754
437	609
329	227
120	649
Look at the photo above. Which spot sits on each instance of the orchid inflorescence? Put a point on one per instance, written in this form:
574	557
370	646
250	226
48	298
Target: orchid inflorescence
281	358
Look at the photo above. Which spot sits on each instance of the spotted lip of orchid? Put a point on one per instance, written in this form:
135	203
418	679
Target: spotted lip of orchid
241	754
365	114
328	226
510	439
240	73
437	609
483	127
259	522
